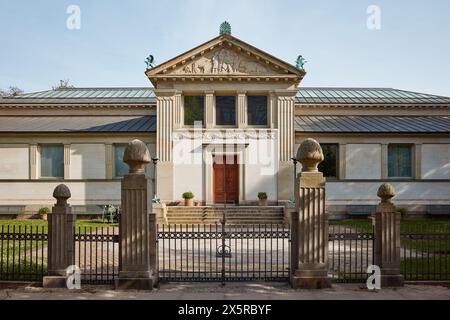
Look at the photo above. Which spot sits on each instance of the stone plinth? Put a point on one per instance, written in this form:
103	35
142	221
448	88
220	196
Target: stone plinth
138	250
310	223
61	242
387	239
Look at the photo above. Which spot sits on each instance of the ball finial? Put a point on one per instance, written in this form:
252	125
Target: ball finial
386	192
309	154
137	156
61	194
225	28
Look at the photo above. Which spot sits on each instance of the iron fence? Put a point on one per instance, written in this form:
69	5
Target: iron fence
23	253
350	251
220	252
97	254
425	252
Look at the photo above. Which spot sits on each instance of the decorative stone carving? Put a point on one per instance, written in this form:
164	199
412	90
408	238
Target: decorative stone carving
386	192
137	156
310	154
224	61
61	194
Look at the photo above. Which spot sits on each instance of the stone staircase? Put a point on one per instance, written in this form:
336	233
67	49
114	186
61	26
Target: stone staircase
235	215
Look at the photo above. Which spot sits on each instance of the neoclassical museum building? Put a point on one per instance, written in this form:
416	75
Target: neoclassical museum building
224	121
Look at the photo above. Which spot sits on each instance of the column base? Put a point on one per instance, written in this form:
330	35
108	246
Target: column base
56	282
392	281
135	283
307	280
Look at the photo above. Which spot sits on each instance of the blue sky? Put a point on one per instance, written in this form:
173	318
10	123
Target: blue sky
410	51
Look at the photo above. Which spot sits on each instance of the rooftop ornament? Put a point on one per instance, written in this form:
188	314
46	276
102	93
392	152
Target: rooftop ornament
310	154
225	28
150	62
300	62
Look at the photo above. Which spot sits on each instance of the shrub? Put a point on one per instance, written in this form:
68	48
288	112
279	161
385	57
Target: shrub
44	210
403	211
188	195
262	195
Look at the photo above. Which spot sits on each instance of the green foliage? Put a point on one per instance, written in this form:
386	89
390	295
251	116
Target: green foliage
188	195
402	211
262	195
328	165
44	210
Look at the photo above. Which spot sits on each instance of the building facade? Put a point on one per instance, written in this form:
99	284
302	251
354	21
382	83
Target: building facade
224	121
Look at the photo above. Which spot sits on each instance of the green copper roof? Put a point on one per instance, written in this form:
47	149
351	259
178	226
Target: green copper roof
366	96
305	95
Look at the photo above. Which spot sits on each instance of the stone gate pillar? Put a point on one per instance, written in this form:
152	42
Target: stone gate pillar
61	242
387	238
137	229
310	222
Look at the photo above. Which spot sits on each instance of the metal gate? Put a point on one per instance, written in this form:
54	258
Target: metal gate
221	252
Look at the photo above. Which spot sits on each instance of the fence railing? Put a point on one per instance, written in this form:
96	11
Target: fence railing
97	254
350	252
425	252
23	253
217	252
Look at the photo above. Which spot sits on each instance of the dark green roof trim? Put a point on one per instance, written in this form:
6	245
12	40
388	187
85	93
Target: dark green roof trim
305	95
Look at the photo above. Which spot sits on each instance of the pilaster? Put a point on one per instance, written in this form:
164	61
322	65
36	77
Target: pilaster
210	105
242	109
67	161
34	156
109	174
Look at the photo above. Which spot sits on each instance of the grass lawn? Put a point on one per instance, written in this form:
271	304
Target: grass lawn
432	268
42	225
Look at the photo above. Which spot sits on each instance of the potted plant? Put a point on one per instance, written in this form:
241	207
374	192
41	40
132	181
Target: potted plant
188	199
43	212
262	196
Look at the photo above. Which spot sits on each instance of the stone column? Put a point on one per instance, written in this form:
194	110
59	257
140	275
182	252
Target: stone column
285	100
310	226
387	238
61	242
138	249
67	161
242	109
34	155
210	105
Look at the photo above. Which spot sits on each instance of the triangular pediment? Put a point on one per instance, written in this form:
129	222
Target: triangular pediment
225	57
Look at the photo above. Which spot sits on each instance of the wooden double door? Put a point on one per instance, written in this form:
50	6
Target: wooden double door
226	179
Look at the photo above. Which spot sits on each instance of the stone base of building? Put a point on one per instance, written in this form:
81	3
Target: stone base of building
135	283
54	282
392	281
309	280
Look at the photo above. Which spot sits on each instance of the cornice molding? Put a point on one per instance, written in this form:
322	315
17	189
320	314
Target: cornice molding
226	134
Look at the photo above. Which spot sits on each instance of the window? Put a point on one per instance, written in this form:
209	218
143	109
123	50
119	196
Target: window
52	161
399	161
257	110
330	163
120	167
194	107
226	110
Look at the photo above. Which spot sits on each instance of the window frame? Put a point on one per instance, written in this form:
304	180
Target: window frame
184	106
43	145
412	162
266	125
115	176
337	177
235	111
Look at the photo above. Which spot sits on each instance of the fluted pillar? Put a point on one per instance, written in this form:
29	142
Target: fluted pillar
138	249
61	242
242	109
387	238
286	136
310	222
165	103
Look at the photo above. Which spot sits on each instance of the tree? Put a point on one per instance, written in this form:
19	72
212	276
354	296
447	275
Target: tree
13	91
